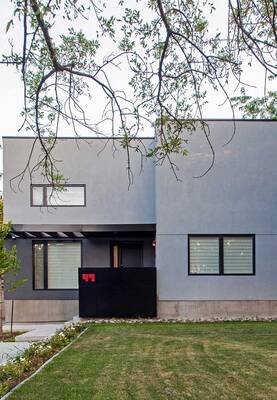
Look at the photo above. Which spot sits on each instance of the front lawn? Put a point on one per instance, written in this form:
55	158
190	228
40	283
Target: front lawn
203	361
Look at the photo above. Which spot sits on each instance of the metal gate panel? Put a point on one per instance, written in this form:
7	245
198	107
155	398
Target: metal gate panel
117	292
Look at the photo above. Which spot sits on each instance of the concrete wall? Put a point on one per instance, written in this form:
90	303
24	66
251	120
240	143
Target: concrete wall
238	196
41	310
94	163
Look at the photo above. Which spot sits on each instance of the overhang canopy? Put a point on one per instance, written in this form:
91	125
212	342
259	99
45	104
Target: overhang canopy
81	231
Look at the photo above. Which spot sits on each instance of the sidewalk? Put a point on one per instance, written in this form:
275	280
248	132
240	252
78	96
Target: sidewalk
9	350
34	332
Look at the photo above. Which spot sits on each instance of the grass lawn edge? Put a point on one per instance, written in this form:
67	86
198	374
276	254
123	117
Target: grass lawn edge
42	366
162	361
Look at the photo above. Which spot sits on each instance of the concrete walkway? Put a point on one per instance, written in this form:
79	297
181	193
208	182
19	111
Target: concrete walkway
9	350
35	332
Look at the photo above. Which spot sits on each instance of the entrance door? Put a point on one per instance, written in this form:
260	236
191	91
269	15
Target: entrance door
126	254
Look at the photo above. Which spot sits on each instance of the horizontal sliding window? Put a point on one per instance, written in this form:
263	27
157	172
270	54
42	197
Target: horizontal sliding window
56	264
58	196
221	255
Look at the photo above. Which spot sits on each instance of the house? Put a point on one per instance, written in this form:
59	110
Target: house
213	240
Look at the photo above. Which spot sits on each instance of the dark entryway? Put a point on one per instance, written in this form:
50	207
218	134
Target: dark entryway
126	254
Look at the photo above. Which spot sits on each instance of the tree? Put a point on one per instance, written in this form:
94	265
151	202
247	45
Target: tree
254	25
9	265
166	47
261	107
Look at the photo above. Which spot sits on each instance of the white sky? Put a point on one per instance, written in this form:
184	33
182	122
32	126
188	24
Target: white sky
11	95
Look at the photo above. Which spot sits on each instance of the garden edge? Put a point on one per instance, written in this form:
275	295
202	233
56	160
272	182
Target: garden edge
42	366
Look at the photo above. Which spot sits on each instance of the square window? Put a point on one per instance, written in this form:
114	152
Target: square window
64	259
56	264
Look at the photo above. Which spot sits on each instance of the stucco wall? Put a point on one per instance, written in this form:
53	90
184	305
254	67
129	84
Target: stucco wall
93	162
238	196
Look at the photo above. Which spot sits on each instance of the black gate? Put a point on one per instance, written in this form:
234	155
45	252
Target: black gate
117	292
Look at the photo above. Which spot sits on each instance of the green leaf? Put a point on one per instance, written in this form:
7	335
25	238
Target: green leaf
9	25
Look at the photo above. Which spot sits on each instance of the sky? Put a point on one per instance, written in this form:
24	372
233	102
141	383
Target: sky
11	93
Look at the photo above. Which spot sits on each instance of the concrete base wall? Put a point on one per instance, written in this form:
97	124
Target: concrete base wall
41	310
206	309
63	310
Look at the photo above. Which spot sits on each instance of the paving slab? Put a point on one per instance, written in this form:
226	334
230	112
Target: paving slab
39	332
10	350
28	326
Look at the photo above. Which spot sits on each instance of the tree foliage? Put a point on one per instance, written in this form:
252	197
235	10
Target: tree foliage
167	49
260	107
9	263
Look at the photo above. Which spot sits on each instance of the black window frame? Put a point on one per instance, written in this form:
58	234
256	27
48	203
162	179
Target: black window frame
44	187
221	253
45	261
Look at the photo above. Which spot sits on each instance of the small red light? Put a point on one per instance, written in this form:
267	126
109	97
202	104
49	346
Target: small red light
88	277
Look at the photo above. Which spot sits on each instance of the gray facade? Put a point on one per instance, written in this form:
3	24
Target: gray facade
238	196
93	162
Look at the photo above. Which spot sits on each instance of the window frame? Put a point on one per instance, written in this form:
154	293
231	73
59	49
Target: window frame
44	187
45	261
221	253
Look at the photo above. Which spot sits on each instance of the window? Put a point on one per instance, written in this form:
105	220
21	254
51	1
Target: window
238	255
204	255
61	196
222	255
56	264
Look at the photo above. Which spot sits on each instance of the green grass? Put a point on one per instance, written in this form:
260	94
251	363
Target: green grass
232	360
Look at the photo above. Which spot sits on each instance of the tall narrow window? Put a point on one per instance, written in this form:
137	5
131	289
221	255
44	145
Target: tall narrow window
64	259
39	281
238	255
116	257
37	196
56	264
